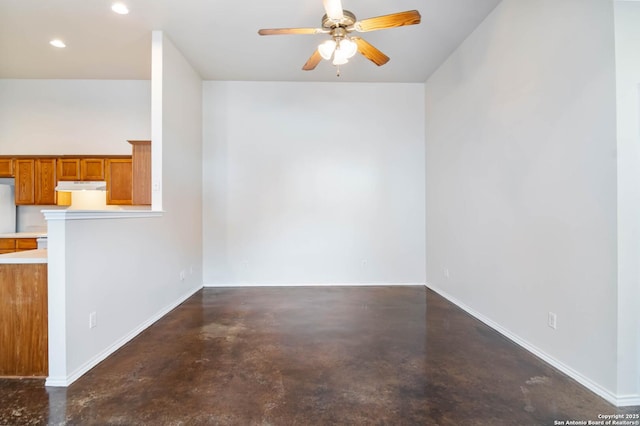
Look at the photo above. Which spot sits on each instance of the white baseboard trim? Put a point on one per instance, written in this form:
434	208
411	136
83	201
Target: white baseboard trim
239	285
56	382
68	380
628	400
619	401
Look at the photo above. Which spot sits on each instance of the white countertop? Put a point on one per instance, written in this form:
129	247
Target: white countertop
24	235
29	256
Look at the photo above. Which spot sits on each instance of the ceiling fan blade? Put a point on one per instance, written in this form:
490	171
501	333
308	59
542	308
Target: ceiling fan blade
313	61
333	9
410	17
370	52
281	31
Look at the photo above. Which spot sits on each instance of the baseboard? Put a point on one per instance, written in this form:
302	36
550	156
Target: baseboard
628	401
68	380
234	285
619	401
56	382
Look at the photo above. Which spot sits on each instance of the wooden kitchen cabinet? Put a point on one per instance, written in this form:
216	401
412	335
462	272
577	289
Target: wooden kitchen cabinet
36	177
6	167
76	169
24	244
119	174
46	181
35	181
25	174
24	346
7	245
141	164
92	169
68	169
12	245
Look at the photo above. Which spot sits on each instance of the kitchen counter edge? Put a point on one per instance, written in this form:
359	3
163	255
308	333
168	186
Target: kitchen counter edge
22	257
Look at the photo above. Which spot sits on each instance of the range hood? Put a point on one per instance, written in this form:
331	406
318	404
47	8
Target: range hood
77	185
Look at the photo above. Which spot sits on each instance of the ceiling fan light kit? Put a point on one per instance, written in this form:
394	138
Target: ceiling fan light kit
342	50
338	24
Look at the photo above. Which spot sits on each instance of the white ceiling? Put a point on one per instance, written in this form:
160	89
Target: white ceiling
219	38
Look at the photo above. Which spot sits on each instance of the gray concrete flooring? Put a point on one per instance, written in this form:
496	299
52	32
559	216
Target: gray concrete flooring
312	356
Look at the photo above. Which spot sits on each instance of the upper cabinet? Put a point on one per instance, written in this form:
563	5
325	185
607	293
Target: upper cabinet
92	169
6	167
128	177
35	181
119	181
81	169
25	173
68	169
46	181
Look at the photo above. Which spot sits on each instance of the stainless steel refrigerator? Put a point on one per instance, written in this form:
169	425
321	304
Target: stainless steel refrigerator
7	209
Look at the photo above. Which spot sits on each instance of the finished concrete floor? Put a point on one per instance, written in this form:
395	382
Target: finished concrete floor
312	356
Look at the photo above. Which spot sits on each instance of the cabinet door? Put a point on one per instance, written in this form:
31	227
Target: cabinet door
25	174
119	178
46	181
7	245
92	169
24	244
6	167
68	169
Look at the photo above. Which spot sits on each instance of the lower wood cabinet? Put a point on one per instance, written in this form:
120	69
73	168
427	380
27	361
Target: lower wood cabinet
7	245
12	245
24	345
24	244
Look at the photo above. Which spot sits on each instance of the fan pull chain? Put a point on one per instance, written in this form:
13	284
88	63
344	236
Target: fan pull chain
337	70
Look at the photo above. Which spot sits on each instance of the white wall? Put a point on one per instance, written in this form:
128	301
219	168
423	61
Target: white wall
313	183
521	180
52	117
127	270
627	25
181	156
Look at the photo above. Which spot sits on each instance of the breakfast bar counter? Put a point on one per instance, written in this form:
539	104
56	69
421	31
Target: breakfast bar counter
29	256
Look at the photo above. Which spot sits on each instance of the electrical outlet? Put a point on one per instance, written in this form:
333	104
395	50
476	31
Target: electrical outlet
93	321
446	273
552	320
182	275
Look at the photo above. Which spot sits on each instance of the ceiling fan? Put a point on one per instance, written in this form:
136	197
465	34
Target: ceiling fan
339	24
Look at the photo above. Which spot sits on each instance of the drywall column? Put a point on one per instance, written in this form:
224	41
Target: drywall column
57	305
627	29
156	119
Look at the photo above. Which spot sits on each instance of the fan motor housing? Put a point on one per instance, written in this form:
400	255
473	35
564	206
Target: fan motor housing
347	20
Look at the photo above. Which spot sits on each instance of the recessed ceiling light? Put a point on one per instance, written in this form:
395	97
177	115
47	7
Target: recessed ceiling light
57	43
120	8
